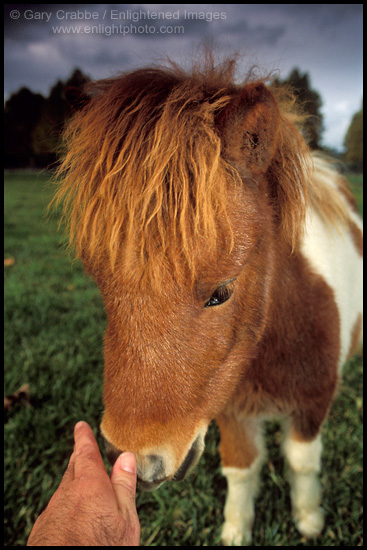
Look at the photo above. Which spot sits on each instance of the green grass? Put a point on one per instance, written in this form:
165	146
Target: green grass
54	326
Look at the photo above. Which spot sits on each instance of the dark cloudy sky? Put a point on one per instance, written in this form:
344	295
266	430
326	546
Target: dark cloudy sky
44	42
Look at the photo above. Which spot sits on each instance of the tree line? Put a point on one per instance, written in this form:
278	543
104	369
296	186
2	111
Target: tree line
33	123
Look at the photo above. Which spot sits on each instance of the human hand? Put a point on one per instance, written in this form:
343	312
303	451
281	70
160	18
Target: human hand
89	508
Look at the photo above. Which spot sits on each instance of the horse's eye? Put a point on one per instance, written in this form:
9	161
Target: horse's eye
221	294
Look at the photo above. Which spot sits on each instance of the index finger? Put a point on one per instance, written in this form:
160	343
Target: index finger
86	455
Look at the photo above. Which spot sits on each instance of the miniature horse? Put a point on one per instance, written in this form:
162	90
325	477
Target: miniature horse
229	262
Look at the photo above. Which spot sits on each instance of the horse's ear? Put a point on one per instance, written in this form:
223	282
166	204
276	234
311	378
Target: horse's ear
76	98
249	126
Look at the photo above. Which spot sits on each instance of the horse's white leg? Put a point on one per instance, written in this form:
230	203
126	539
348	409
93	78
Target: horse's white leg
239	508
304	458
242	445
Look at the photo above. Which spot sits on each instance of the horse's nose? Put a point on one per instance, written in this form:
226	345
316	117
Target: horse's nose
151	470
154	469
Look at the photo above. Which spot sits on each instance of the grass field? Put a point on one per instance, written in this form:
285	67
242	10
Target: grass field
54	325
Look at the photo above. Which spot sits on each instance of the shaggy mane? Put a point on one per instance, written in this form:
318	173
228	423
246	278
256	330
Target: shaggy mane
143	171
143	168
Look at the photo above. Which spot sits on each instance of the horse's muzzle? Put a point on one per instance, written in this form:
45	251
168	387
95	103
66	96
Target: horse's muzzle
151	468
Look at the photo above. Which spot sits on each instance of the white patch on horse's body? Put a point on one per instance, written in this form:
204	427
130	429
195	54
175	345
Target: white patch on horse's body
333	254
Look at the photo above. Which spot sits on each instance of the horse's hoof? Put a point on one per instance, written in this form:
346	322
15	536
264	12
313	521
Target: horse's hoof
310	522
235	535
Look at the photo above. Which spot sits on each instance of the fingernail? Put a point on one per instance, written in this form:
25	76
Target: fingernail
127	462
79	424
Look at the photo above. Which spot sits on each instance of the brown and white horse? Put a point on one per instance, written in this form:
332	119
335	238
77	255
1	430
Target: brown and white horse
229	261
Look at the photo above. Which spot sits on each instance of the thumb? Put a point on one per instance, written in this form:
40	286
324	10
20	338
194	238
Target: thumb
123	479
